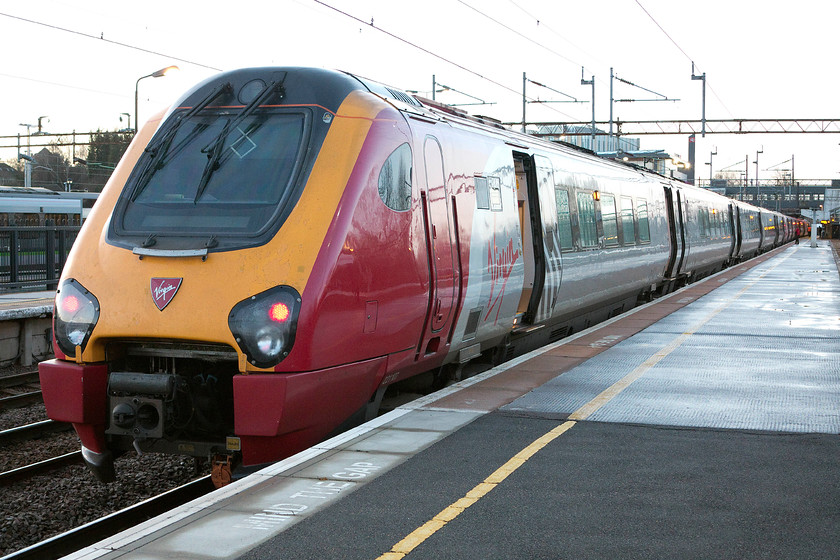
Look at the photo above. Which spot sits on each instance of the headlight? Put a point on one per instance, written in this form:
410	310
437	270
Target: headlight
76	313
264	325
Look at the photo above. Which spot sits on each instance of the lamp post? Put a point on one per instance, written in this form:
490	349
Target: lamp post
30	162
40	125
156	74
28	137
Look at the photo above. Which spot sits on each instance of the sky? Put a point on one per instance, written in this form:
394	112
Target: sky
76	63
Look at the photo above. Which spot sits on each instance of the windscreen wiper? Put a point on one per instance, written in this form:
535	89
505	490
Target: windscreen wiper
166	138
214	148
214	155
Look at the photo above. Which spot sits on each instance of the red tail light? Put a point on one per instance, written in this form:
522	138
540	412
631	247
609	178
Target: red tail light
77	312
264	325
279	312
70	304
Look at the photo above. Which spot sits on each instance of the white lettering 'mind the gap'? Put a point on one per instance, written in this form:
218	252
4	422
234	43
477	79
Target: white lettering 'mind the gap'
357	470
272	516
322	490
278	514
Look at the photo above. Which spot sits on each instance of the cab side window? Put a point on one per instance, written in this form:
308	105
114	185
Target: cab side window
395	179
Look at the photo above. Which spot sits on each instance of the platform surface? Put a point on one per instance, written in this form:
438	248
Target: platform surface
703	425
21	305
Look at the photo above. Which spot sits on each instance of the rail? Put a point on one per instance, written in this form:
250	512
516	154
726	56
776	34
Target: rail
32	257
86	535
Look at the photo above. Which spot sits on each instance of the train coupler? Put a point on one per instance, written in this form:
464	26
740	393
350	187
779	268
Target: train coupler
221	470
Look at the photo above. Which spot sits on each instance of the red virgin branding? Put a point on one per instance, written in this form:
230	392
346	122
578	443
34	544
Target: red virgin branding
164	289
500	261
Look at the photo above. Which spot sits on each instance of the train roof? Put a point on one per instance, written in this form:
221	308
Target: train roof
27	191
414	104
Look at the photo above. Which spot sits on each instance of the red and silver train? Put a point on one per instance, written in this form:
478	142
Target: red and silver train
285	243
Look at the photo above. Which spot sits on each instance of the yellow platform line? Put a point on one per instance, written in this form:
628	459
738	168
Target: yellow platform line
439	521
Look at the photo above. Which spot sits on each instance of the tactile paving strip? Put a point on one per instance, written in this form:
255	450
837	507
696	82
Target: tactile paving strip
770	360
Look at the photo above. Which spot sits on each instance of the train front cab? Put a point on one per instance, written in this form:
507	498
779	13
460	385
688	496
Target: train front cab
273	397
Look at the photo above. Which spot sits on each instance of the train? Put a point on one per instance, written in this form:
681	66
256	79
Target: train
284	244
37	206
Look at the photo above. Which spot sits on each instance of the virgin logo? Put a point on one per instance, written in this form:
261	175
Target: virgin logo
164	289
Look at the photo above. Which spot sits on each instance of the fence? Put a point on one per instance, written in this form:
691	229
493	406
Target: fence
31	258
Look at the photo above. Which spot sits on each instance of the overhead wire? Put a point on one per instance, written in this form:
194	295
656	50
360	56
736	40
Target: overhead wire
390	34
110	41
431	53
64	85
541	23
689	58
522	35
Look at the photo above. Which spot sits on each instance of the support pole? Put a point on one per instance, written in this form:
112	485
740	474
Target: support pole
611	100
524	102
701	77
747	175
590	82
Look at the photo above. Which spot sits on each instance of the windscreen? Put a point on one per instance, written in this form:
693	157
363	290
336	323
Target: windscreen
215	173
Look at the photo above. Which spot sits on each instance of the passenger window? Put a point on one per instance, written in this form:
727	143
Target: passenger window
564	220
628	228
642	216
587	220
482	194
395	179
610	220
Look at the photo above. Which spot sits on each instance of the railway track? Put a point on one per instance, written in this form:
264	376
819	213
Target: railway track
88	534
31	432
20	390
22	473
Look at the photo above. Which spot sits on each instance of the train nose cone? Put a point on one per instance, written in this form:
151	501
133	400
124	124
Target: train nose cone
124	416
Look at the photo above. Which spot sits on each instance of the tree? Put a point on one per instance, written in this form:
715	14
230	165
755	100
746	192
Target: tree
104	152
107	147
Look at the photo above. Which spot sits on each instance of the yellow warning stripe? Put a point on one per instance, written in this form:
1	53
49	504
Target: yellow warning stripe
418	536
451	512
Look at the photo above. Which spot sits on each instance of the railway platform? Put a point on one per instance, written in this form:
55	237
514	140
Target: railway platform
702	425
15	305
25	327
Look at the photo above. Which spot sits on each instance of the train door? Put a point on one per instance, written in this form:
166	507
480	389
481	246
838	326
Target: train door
440	234
550	236
540	238
529	220
683	240
761	231
735	220
673	227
